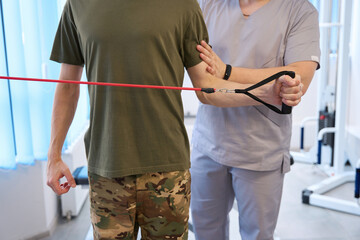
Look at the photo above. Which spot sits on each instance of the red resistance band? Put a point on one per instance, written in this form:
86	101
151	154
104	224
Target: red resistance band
206	90
284	108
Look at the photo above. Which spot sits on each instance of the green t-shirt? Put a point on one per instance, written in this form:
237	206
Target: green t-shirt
133	130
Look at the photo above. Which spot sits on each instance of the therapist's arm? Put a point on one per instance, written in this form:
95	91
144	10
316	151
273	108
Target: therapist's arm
304	69
65	102
285	89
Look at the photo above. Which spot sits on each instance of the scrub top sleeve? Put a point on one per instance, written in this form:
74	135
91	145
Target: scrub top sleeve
194	33
303	39
66	47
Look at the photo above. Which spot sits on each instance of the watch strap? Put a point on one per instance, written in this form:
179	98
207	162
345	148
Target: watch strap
227	72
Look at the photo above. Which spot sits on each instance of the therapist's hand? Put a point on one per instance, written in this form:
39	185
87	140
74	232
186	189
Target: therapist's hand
215	66
57	169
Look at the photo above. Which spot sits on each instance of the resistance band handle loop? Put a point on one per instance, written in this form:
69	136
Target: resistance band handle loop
285	109
241	91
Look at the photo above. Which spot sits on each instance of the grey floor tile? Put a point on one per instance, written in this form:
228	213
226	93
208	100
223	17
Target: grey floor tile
301	221
75	229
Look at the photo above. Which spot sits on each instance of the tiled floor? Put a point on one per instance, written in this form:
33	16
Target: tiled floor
300	221
297	221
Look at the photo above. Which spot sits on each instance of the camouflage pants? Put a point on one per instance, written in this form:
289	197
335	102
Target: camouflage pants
157	202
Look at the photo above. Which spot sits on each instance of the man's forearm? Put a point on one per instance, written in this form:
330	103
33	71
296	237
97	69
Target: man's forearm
266	93
202	79
65	103
305	69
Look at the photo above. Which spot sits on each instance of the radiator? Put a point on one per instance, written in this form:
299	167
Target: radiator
74	156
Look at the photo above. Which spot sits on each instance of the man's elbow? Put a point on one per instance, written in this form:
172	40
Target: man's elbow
202	98
68	90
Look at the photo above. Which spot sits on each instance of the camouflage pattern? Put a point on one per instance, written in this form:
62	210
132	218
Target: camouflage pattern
157	202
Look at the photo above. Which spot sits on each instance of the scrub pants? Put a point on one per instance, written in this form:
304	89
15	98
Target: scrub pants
213	188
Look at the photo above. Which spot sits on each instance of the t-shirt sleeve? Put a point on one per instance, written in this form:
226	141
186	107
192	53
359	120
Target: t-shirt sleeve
303	39
195	32
66	47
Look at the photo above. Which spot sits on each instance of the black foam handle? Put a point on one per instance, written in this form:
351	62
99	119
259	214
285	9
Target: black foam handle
208	90
285	108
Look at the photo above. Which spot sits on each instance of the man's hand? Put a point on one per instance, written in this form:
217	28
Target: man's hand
57	169
291	90
285	90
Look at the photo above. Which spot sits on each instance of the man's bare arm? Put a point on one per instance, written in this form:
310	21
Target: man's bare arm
216	67
306	69
65	102
270	93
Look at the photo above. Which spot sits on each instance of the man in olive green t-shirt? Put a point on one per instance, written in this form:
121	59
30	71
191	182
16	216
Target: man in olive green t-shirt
136	144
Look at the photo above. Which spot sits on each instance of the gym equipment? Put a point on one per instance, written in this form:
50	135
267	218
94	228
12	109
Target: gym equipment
338	176
326	94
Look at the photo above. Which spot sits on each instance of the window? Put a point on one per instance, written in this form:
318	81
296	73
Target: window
27	31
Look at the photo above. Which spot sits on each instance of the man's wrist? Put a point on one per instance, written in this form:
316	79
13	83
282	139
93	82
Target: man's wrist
54	154
266	94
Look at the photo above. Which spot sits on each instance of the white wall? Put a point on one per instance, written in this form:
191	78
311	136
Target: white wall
27	207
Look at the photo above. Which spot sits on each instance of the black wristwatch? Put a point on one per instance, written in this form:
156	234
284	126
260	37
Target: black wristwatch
227	72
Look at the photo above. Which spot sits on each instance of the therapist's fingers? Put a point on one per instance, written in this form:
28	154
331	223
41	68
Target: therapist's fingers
217	66
205	49
210	70
206	57
209	61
